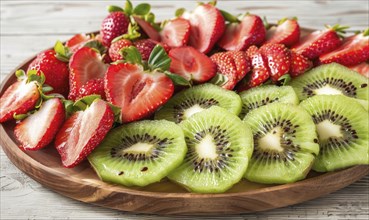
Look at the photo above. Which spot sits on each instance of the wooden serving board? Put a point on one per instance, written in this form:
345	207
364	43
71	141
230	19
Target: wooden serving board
81	183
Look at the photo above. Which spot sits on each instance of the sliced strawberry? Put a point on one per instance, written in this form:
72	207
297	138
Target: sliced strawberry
319	42
287	32
362	68
39	129
19	98
242	63
79	134
278	58
116	47
354	50
260	72
145	47
85	64
93	86
191	64
176	32
226	66
207	26
151	32
76	40
299	64
239	36
114	25
56	71
136	92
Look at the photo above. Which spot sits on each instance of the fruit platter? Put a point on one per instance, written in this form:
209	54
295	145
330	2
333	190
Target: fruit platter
204	113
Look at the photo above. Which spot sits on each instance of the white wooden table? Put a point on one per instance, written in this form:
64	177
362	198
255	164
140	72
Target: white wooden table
28	27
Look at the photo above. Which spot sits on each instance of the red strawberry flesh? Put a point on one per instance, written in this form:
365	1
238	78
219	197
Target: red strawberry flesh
226	66
287	33
151	32
39	129
79	135
278	58
19	98
176	32
191	64
137	93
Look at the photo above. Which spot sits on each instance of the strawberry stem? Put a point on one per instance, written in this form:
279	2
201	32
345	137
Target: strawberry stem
179	12
366	32
229	17
113	8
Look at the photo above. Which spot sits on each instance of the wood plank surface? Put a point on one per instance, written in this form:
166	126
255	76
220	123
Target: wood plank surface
28	27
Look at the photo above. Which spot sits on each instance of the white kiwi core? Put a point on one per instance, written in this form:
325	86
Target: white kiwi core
193	110
139	148
327	129
272	140
327	90
206	148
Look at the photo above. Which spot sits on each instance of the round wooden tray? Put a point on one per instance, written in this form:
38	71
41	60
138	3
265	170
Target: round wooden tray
81	183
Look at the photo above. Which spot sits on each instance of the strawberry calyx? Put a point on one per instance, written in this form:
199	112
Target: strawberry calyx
219	79
366	32
340	30
229	17
62	52
96	45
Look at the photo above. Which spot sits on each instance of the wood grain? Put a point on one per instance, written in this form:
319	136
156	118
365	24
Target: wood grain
25	32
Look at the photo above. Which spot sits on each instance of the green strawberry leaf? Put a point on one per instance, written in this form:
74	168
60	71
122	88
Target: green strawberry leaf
128	9
68	106
229	17
150	17
132	33
46	88
117	113
97	45
20	116
113	8
219	80
83	103
20	74
179	12
62	52
159	59
177	79
285	79
142	9
132	55
32	75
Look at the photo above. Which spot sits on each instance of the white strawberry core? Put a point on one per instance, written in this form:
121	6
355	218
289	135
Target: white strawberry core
206	148
327	129
272	140
84	129
36	125
193	110
139	148
327	90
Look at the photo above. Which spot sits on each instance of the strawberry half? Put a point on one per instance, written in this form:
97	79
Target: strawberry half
79	135
39	129
319	42
191	64
176	32
278	58
242	63
114	25
93	86
287	32
299	64
19	98
240	35
136	92
260	72
56	71
207	27
116	47
149	30
354	50
362	68
77	42
84	65
226	66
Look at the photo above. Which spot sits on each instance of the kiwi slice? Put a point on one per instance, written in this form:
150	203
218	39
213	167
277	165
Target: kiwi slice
262	95
342	126
285	143
139	153
193	100
219	147
331	79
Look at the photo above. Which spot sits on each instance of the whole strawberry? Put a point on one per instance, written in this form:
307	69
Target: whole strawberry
93	86
145	47
287	32
114	25
278	58
56	71
116	47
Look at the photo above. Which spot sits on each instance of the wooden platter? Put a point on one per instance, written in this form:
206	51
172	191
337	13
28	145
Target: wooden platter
81	183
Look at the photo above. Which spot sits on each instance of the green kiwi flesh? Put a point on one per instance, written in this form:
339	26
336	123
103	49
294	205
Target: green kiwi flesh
139	153
331	79
219	147
263	95
285	143
342	126
190	101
